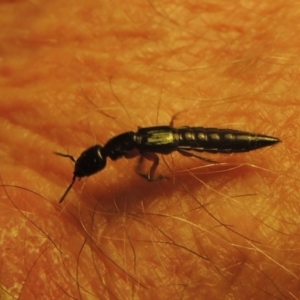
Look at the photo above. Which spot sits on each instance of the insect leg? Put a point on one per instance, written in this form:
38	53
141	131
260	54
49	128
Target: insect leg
174	117
189	154
172	120
155	162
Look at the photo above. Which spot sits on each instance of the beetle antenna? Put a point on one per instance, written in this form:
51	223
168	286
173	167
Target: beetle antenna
74	177
65	155
67	190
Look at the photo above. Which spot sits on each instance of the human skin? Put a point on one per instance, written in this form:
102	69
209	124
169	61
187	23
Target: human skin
73	75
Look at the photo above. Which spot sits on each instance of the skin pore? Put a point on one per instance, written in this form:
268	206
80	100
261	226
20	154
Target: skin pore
74	75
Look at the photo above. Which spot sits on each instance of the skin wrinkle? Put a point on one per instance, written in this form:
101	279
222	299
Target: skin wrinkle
75	75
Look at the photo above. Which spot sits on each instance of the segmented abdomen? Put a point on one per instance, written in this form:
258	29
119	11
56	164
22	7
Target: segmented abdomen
216	140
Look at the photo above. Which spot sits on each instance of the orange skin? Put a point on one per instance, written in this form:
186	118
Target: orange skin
73	75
